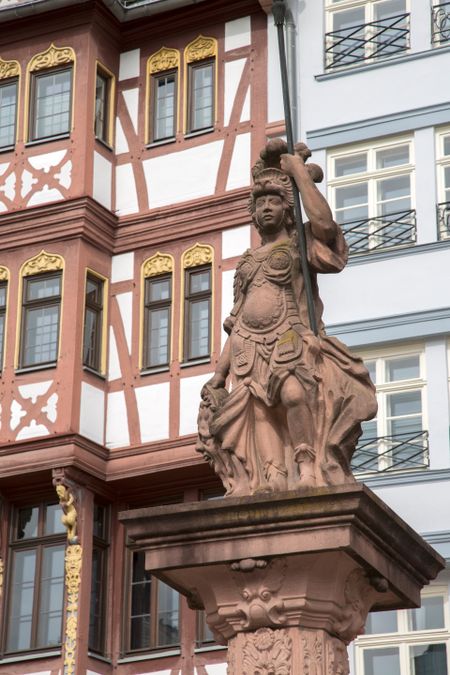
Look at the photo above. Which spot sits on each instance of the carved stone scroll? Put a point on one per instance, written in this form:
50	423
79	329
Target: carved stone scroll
164	59
53	56
9	69
160	263
201	48
200	254
43	262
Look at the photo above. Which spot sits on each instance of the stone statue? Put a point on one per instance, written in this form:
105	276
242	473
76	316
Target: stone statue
293	414
69	516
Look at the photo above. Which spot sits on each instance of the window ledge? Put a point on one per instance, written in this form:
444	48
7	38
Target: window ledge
149	656
29	656
50	139
156	369
99	657
31	369
210	648
7	148
163	141
195	362
192	134
105	144
102	376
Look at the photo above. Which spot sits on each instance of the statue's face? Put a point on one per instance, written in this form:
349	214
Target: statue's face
269	213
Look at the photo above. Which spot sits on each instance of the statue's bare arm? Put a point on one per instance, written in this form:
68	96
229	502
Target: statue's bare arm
319	213
222	368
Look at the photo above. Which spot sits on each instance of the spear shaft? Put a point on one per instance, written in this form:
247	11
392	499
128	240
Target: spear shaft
279	15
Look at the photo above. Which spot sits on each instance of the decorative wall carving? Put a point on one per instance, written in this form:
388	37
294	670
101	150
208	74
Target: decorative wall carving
53	56
264	652
160	263
259	582
360	595
164	59
9	69
72	579
43	262
201	48
200	254
4	273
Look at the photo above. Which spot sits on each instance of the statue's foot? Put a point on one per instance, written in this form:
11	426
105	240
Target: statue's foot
276	477
305	457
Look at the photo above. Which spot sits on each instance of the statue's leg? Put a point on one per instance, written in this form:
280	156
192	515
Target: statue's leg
299	418
270	446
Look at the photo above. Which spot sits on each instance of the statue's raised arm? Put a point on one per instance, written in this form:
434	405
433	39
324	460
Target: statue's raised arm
294	413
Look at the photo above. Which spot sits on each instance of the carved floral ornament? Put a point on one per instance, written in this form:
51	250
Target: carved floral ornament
200	254
164	59
53	56
201	48
4	273
43	262
160	263
9	69
73	561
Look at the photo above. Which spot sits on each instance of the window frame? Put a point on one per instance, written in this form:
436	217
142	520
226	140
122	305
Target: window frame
101	544
153	107
442	163
6	83
191	67
148	307
101	318
38	74
4	283
46	302
106	137
189	299
39	544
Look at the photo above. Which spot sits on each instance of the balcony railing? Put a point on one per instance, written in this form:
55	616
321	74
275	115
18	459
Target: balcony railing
399	452
373	234
440	23
375	40
443	219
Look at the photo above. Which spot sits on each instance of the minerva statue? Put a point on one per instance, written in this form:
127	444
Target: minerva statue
291	414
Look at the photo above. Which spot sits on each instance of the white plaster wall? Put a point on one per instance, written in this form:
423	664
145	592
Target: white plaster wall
437	413
235	241
425	192
434	501
190	388
239	174
125	302
122	267
131	97
275	110
227	299
217	669
129	64
153	408
233	74
92	412
238	33
183	175
117	434
126	195
114	371
102	180
397	285
245	114
121	141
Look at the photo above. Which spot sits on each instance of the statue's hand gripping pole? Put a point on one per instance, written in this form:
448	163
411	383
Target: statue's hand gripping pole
279	14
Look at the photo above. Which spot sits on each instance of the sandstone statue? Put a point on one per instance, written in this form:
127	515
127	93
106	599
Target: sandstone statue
292	413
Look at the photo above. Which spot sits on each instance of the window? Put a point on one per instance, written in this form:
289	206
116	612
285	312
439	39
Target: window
365	31
36	569
164	106
201	96
98	580
407	642
157	321
3	296
197	328
51	103
443	171
371	193
93	322
8	112
396	439
440	23
41	309
153	610
104	92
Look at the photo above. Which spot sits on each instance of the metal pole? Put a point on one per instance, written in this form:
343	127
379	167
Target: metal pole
279	14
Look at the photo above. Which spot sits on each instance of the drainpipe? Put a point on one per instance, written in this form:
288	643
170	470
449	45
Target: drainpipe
291	57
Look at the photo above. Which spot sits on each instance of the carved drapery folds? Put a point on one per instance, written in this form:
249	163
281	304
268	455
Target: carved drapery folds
9	69
164	59
51	57
201	48
160	263
43	262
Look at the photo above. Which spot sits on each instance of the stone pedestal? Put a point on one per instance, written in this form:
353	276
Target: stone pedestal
287	580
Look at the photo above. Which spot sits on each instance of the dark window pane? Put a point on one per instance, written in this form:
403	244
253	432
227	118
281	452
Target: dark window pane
41	335
140	633
159	290
164	106
94	291
381	661
52	104
21	603
96	619
429	616
199	329
28	523
168	616
381	622
429	660
99	525
403	368
53	523
202	96
159	320
345	166
43	287
200	281
101	106
51	597
8	105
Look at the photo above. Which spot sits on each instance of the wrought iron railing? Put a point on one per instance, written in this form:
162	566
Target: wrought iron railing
399	452
440	23
373	234
375	40
443	219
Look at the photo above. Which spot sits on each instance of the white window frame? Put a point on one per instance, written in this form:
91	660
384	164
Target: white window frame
405	638
434	5
372	175
332	8
442	162
384	388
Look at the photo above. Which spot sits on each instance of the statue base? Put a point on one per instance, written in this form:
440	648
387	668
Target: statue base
287	579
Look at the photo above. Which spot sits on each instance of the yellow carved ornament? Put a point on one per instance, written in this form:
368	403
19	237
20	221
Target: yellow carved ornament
201	48
164	59
200	254
53	56
9	69
160	263
73	561
43	262
4	273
